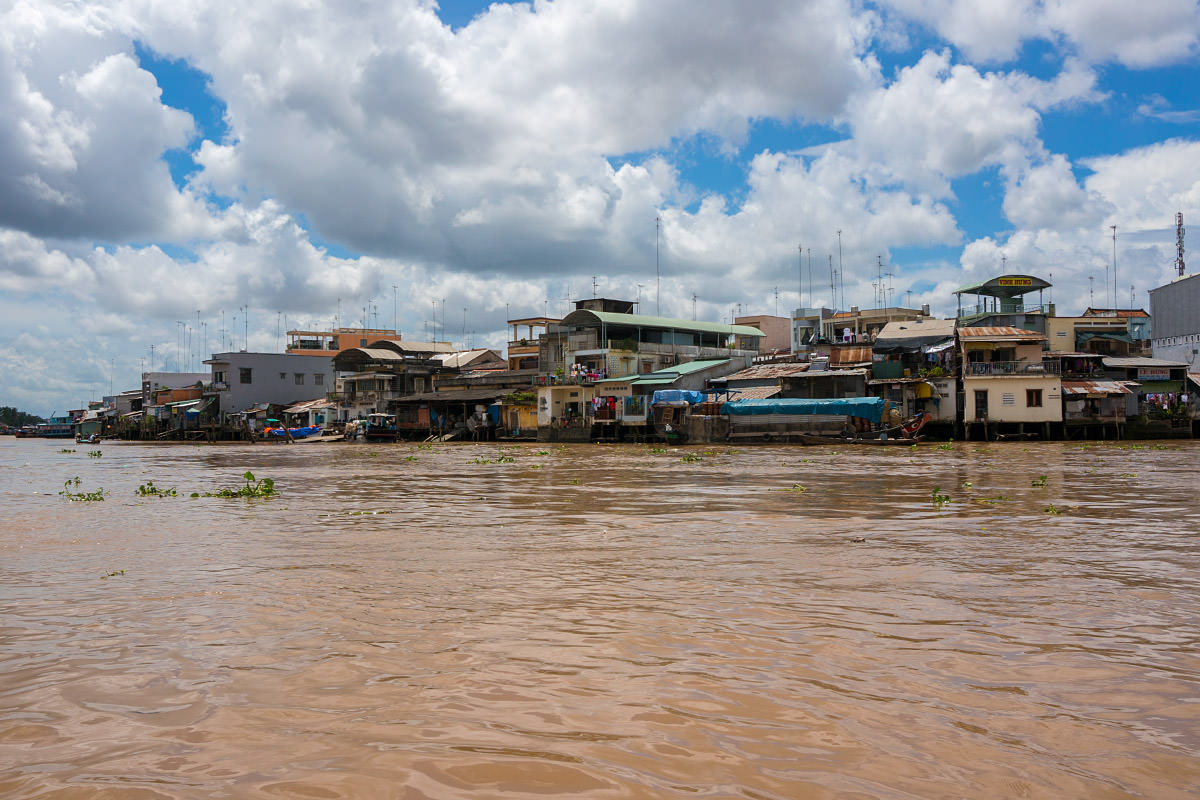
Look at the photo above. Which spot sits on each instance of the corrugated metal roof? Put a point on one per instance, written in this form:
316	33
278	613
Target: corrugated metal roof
999	332
640	321
688	367
1194	377
767	372
1135	361
310	405
755	392
841	356
1094	388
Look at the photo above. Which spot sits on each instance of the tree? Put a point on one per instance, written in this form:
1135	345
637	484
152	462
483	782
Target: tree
13	417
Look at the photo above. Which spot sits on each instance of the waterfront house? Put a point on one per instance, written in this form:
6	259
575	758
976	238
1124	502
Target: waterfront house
914	367
371	378
1001	302
594	341
242	380
1010	385
526	333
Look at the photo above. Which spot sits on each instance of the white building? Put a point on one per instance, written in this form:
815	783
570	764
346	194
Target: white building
1175	309
241	380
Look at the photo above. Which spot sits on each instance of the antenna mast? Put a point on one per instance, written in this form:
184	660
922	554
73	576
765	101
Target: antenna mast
1179	242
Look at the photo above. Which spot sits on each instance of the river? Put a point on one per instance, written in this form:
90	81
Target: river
474	621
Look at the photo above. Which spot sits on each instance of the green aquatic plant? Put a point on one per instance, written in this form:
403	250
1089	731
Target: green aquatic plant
966	484
797	488
658	450
70	483
542	453
1050	509
947	445
95	453
410	458
575	481
690	458
938	498
1039	482
148	489
261	487
112	574
66	450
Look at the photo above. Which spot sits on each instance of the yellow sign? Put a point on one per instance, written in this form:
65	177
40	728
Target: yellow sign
1016	281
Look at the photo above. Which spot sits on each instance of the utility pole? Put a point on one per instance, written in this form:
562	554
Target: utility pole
693	307
395	314
800	272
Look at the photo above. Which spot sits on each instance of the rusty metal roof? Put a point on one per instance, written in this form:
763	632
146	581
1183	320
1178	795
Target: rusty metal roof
845	356
1094	388
755	392
1003	333
766	372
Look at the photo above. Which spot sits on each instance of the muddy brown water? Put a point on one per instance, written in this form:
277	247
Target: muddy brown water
601	622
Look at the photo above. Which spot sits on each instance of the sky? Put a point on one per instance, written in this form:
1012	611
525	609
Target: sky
184	178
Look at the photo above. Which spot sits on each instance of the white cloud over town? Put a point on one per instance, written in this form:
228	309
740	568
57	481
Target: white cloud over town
372	158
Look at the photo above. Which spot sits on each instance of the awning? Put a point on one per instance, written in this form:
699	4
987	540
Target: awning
1160	387
870	408
939	347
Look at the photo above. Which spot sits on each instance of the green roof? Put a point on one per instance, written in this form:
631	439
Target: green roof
662	323
688	367
655	381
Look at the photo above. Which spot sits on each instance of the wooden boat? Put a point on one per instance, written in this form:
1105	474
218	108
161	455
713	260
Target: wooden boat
381	428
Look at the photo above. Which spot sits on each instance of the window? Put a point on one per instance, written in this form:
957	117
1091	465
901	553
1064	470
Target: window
1008	399
1033	398
362	342
318	379
283	376
244	375
299	378
418	385
218	377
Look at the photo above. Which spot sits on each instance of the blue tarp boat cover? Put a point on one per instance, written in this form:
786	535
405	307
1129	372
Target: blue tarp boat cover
870	408
676	396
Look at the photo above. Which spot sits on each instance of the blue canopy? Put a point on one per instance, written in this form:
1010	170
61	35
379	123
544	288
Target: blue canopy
870	408
676	396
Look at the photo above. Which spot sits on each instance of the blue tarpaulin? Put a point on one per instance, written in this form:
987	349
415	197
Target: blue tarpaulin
676	396
870	408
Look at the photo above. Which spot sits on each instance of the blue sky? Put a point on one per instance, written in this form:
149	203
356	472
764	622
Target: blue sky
161	164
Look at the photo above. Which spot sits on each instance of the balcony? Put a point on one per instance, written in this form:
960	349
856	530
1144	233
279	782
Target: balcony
1017	369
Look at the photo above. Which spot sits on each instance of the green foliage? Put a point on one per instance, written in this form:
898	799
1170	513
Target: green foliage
658	450
938	498
148	489
1039	482
946	445
542	453
1050	509
691	458
66	450
575	481
410	458
15	418
95	453
262	487
70	483
112	574
797	488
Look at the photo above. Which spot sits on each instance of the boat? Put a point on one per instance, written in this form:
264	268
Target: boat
283	433
56	428
380	428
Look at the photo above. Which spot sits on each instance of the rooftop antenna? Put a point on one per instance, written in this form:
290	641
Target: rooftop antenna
841	271
395	315
593	287
800	271
657	271
1091	294
693	307
1179	242
639	298
777	301
810	285
246	327
879	281
1114	285
832	284
152	358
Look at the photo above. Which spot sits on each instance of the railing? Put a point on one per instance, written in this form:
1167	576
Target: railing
1015	368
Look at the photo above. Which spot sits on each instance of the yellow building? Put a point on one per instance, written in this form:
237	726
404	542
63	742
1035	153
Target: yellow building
1010	385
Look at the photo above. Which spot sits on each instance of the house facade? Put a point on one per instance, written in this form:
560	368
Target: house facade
1010	385
242	380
